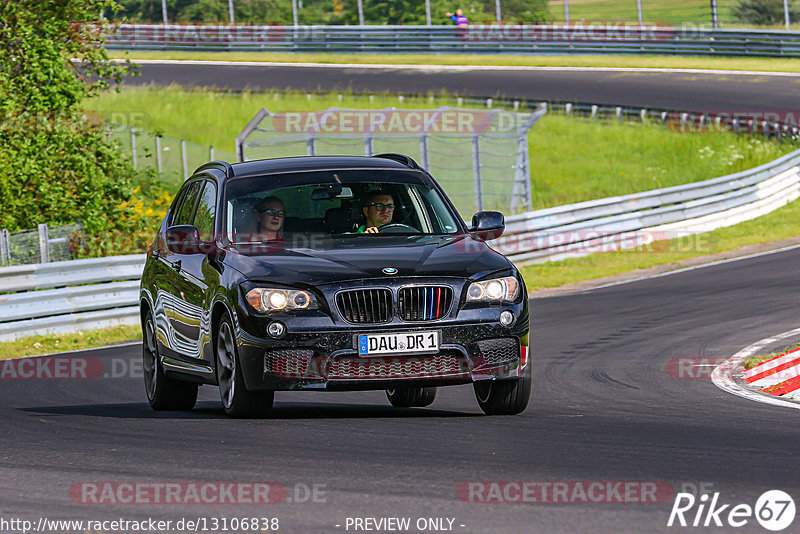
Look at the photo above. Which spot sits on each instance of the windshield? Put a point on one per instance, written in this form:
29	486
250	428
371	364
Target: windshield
356	203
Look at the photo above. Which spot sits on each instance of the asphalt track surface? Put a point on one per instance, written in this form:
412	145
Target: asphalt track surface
604	408
688	91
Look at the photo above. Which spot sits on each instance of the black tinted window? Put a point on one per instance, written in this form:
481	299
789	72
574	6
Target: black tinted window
186	211
206	210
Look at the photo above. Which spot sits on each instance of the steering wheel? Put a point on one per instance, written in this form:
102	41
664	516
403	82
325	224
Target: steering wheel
398	228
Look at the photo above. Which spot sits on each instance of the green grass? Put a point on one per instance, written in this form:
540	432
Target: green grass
572	159
49	344
752	361
626	61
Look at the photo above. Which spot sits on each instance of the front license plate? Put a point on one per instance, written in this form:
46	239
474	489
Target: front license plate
399	343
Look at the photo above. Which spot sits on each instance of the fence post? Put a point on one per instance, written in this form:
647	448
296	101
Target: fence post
211	154
158	156
183	159
44	244
311	148
594	112
423	151
368	145
133	146
5	247
476	172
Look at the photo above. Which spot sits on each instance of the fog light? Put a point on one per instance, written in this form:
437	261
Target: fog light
276	329
506	318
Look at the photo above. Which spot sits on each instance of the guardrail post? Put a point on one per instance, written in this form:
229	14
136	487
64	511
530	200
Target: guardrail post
211	154
158	156
643	114
568	109
133	146
44	244
5	247
476	173
183	159
594	112
311	147
618	111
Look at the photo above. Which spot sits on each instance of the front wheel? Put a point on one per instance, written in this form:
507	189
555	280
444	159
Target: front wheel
237	401
163	393
411	397
505	397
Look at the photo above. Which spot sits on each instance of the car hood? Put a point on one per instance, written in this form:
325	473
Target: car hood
353	258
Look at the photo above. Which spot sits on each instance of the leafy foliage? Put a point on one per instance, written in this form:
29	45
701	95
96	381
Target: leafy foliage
58	167
763	12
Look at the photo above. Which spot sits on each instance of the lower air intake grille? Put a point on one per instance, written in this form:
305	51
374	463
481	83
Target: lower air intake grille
444	365
501	350
424	303
287	363
365	305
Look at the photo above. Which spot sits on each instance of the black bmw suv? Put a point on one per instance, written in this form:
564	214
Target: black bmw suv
329	273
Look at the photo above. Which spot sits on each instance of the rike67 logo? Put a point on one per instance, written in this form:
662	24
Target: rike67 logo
774	510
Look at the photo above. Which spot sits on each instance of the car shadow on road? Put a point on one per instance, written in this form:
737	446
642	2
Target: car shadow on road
212	410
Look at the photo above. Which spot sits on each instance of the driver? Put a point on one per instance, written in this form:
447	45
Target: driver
378	212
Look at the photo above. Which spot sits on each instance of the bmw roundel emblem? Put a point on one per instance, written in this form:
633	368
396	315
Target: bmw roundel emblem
389	270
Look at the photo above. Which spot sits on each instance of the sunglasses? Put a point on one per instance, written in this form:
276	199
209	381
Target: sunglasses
382	207
273	213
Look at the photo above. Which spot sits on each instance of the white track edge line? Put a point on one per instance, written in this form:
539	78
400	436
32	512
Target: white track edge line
452	67
721	376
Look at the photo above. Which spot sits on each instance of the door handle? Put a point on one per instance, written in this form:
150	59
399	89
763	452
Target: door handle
177	265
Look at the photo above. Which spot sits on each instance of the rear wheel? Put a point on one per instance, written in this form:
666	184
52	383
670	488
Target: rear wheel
237	401
411	397
163	393
505	397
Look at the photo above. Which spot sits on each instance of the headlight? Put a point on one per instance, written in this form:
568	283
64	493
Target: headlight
503	289
267	300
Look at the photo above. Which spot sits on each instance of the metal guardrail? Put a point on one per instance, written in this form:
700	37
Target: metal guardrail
511	38
629	221
99	292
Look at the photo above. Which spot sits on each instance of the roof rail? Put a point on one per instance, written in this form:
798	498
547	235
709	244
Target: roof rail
399	158
224	166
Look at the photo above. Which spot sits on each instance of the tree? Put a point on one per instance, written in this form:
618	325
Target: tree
57	165
763	12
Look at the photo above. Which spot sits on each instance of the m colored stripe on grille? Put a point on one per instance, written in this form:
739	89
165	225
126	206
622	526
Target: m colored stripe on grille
424	303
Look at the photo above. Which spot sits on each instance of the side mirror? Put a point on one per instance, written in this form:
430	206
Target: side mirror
183	239
487	225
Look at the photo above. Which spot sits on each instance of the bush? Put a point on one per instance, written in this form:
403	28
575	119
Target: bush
58	168
763	12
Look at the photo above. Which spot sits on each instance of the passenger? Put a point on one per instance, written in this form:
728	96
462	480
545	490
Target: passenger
378	211
270	214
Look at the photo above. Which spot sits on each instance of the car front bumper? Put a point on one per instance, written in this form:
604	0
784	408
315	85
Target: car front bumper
329	360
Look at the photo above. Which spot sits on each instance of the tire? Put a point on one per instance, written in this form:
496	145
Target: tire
410	397
163	393
504	397
237	401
